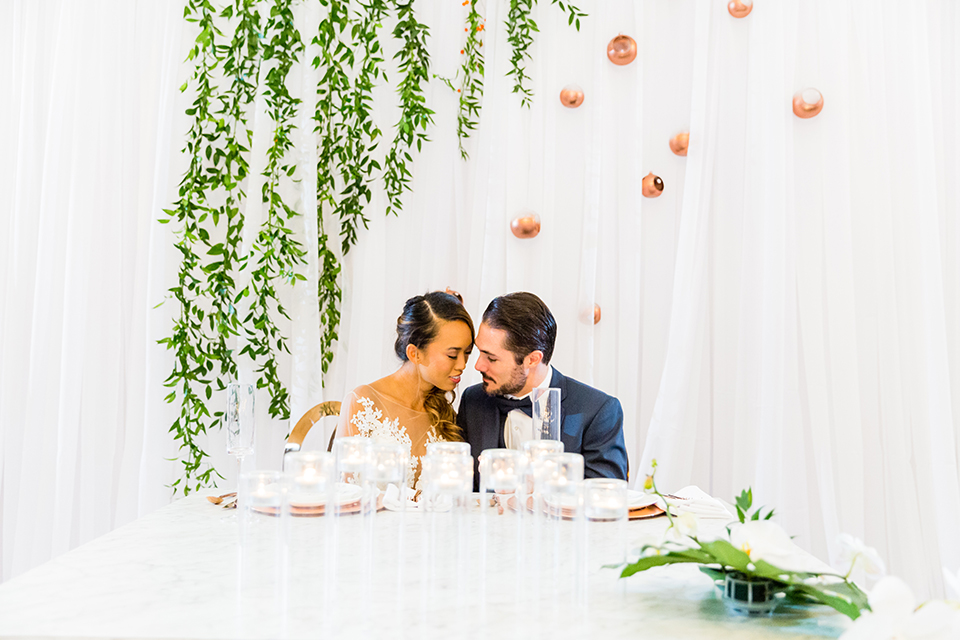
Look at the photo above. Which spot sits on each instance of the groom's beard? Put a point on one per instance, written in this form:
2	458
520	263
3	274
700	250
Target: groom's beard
511	387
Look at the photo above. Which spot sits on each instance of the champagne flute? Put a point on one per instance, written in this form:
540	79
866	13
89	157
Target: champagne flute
239	422
546	413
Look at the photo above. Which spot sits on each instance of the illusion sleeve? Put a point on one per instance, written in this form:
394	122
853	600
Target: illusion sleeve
348	409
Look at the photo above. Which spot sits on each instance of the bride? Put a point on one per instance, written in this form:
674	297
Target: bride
412	406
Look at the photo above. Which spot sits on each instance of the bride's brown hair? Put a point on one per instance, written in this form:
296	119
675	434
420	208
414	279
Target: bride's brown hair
418	325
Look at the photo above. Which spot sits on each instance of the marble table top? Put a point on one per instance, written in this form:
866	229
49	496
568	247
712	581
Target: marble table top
181	572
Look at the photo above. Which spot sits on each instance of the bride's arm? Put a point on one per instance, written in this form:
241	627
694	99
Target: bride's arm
348	409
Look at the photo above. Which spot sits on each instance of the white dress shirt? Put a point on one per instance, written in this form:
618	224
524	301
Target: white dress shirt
519	426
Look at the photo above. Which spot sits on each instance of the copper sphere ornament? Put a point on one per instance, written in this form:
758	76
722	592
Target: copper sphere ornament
526	226
596	313
652	186
740	8
571	96
807	103
679	143
622	50
455	294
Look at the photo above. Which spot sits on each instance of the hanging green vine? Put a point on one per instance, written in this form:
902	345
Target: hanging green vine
469	77
356	153
206	287
414	66
520	30
275	255
192	358
335	59
240	62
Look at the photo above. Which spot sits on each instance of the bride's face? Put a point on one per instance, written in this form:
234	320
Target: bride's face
444	359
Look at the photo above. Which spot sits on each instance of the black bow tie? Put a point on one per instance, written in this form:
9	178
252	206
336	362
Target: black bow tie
506	405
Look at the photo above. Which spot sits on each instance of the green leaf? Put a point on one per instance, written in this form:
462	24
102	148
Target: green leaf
650	562
726	554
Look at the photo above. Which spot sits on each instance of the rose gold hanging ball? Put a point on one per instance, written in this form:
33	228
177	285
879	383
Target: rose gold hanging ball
652	186
596	313
622	50
679	143
526	226
740	8
455	294
807	103
571	96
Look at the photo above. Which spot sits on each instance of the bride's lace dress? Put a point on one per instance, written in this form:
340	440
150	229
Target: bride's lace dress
366	412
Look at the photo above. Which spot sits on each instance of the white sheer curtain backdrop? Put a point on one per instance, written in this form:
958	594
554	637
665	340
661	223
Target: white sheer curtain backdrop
785	316
86	140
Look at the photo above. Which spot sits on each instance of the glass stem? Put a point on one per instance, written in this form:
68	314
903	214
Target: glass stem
239	471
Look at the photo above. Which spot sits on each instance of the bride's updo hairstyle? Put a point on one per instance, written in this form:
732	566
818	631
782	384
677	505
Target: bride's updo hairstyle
418	325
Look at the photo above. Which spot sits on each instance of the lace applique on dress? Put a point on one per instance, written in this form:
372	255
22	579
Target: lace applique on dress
431	438
370	423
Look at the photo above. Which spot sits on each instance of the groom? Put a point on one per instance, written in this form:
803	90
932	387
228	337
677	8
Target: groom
515	343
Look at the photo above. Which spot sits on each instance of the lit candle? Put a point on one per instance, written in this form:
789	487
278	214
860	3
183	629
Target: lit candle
264	498
505	479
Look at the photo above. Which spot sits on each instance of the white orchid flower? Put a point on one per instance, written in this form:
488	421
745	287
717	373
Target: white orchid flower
853	553
764	540
894	616
952	582
688	524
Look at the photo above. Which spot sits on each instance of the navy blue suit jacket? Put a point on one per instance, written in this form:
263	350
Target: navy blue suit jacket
591	424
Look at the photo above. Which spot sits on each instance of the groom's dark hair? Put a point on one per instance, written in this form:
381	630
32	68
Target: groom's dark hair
527	321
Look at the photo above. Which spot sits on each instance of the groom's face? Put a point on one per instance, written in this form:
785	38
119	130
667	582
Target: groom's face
498	366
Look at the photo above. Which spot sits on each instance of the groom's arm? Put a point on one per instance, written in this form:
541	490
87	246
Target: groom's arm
603	449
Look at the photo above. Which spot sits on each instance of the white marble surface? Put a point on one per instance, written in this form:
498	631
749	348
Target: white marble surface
176	574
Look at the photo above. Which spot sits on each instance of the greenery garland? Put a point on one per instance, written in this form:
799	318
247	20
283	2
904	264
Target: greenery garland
209	222
335	59
471	82
275	253
194	360
414	65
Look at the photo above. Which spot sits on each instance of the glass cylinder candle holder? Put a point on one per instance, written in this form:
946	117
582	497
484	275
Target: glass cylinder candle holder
389	464
353	459
447	484
261	582
311	477
462	448
605	505
535	450
310	532
605	499
558	478
446	474
501	470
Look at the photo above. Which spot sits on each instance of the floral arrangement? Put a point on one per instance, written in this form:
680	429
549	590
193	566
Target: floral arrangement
756	549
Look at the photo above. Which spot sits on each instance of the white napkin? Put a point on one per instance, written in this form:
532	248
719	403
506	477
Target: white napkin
638	499
391	500
694	500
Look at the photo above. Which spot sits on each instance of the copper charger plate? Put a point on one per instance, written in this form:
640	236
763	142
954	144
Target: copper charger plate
318	510
638	513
